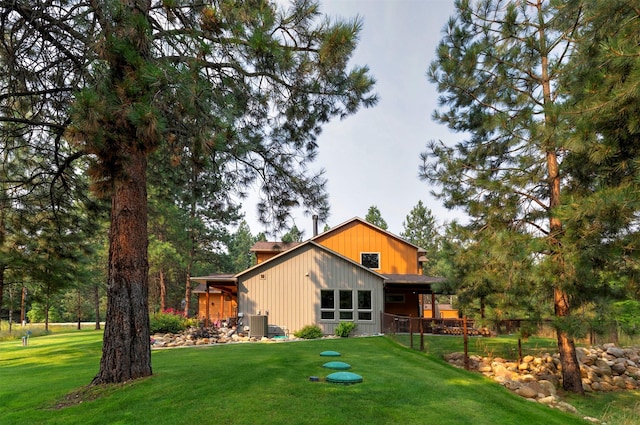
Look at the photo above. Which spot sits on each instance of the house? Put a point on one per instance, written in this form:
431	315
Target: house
353	272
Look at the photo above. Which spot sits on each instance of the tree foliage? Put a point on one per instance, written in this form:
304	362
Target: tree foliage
374	216
498	70
220	95
420	228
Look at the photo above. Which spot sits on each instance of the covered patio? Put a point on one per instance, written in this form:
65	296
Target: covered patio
217	297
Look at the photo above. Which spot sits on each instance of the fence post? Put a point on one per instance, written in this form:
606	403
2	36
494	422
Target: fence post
466	343
411	331
421	334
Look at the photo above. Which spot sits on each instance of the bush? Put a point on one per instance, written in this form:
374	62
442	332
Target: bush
309	332
167	323
345	328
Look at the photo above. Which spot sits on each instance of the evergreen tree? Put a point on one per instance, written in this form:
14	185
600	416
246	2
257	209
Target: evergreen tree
239	248
375	217
293	235
421	230
247	83
603	152
498	68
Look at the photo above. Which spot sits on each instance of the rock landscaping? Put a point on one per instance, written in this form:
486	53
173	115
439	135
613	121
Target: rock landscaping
207	336
604	368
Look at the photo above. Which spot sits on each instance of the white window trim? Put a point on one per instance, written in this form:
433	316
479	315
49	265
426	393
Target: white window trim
336	310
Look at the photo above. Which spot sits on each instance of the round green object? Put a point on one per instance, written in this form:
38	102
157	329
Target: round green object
330	354
337	365
344	378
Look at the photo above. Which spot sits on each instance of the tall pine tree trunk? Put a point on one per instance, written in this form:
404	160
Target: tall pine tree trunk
126	352
163	290
571	376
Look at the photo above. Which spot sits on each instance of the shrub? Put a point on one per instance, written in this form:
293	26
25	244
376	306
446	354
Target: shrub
309	332
345	328
167	323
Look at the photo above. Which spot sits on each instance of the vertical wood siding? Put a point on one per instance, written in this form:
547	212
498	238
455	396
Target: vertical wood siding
289	289
220	308
354	238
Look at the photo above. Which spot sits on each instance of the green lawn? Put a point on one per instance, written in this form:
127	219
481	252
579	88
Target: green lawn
253	384
268	383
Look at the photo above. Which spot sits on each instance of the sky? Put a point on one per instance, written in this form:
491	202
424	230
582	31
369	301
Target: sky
373	156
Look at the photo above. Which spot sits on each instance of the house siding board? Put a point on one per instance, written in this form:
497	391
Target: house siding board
354	238
220	308
287	285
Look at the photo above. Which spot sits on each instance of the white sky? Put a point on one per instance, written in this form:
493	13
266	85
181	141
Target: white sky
372	157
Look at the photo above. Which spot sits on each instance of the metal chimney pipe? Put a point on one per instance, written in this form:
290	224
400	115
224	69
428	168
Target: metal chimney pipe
315	224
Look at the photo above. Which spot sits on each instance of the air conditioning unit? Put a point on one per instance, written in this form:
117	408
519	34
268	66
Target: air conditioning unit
258	326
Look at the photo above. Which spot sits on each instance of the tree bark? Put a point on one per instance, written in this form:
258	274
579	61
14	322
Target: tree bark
126	352
571	376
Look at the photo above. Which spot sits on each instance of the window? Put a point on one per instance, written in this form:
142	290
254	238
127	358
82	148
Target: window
364	305
395	298
346	305
349	305
370	259
327	304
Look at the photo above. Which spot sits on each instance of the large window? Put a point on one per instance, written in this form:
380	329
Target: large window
364	305
327	304
370	259
346	305
350	305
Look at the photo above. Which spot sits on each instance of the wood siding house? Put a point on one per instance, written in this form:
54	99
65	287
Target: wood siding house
310	284
352	272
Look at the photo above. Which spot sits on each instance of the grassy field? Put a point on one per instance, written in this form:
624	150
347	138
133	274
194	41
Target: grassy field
261	383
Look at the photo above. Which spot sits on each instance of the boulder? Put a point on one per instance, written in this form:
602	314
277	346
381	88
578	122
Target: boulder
615	351
527	391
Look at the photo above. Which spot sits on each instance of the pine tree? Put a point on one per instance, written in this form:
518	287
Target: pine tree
375	217
246	83
498	68
420	229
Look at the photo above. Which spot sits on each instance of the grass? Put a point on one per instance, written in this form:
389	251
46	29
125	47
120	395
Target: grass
615	408
253	384
37	329
45	383
505	346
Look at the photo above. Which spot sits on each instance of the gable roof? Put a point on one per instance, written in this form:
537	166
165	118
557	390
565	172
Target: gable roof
300	246
372	226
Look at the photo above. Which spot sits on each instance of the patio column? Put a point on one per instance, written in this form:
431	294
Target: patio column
206	319
433	305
